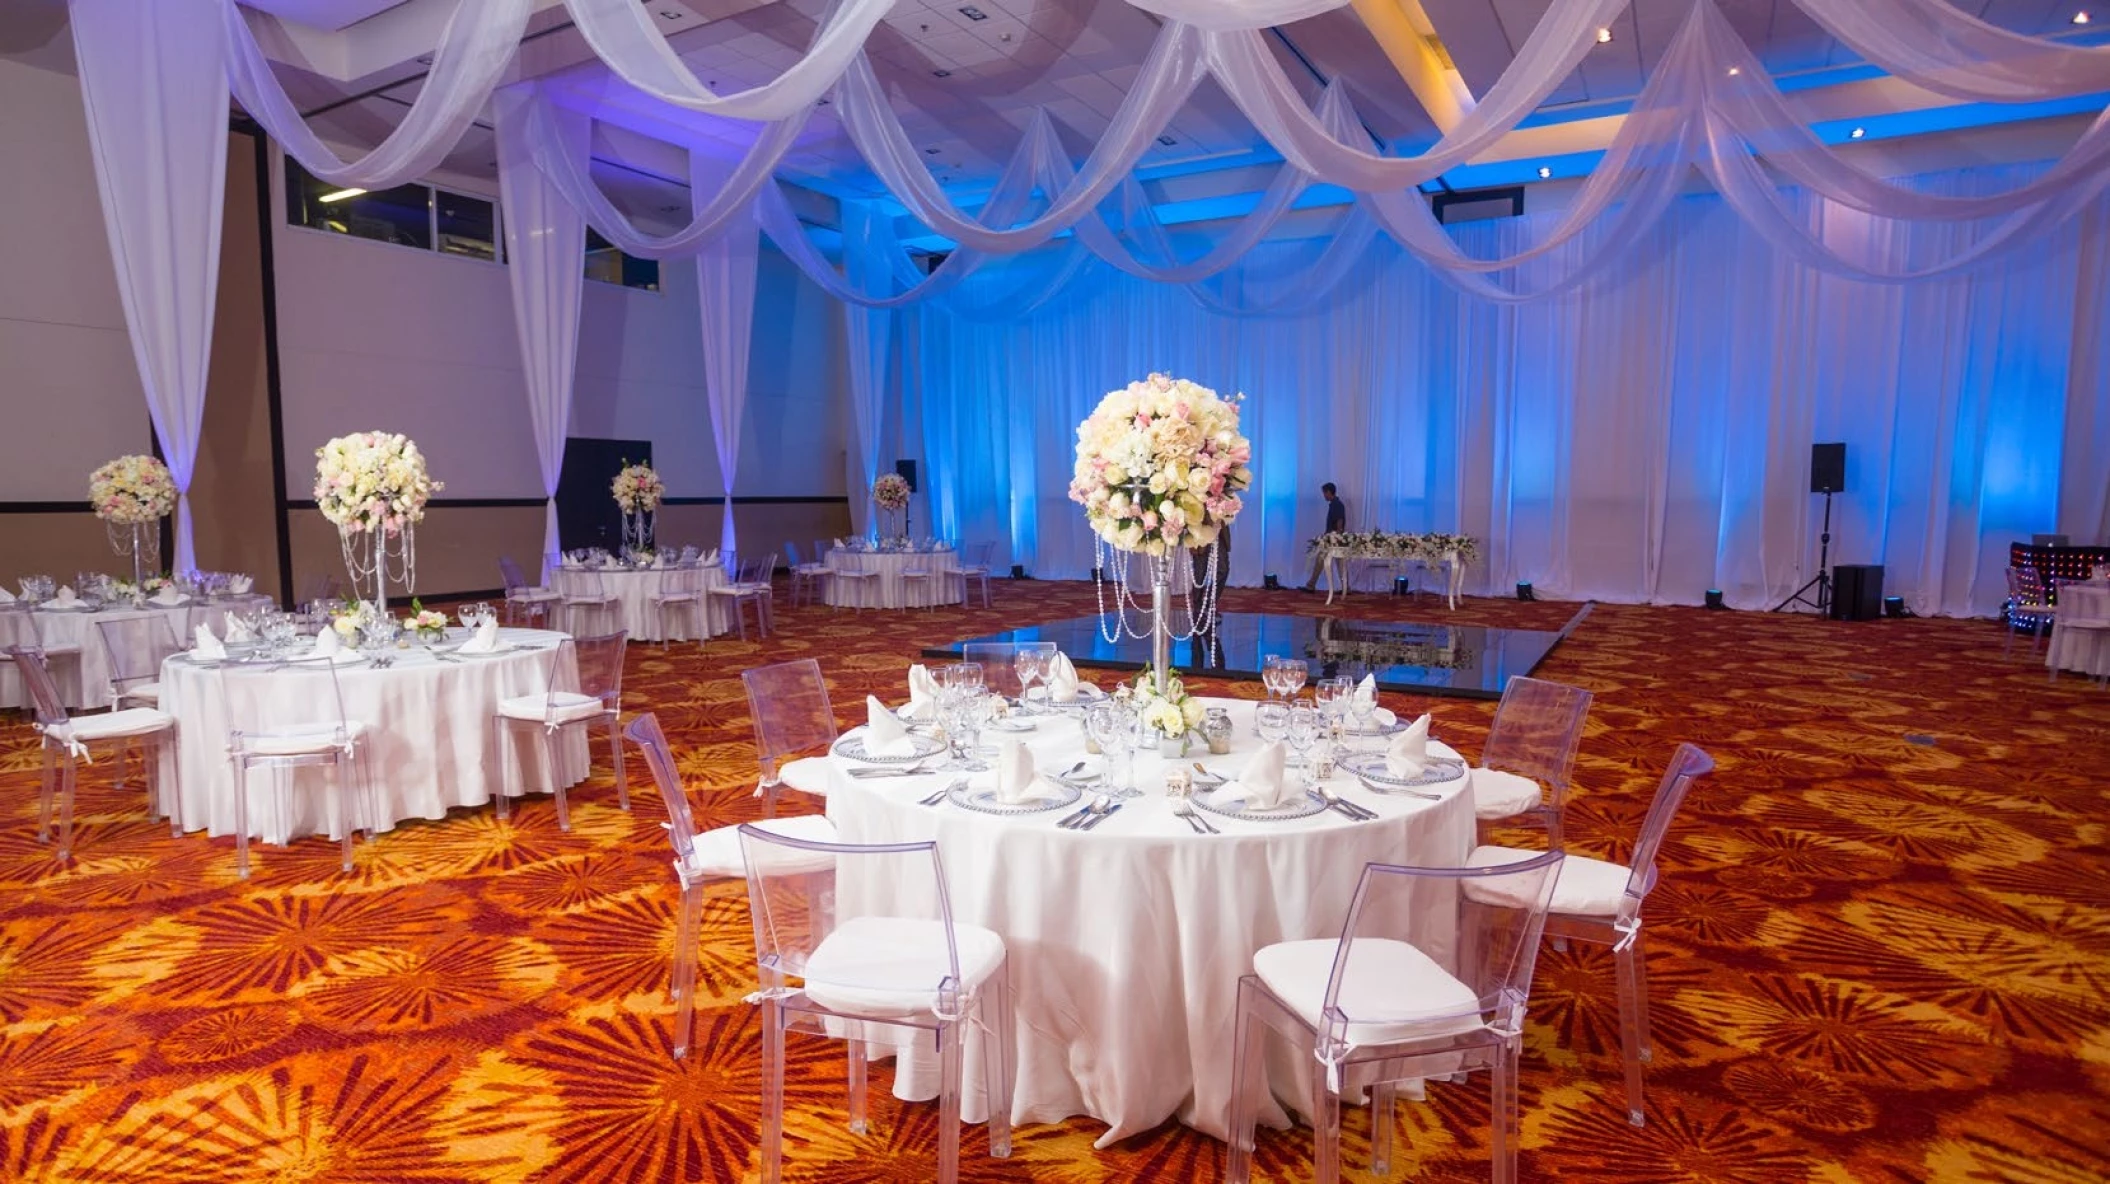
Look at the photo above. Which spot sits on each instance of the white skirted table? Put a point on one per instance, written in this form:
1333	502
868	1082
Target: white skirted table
2085	651
1126	942
1338	559
86	684
634	588
429	739
893	590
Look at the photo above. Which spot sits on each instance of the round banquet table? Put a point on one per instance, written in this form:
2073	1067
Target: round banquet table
429	741
634	588
86	684
2083	650
895	592
1126	942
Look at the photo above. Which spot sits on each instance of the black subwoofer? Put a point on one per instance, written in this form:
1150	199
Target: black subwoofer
1857	591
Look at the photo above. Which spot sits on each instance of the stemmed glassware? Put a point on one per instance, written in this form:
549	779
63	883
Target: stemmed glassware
1113	727
1271	721
1332	694
963	708
1303	732
1294	674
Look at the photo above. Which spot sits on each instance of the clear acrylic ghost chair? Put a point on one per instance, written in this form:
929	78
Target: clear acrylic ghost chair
19	627
712	855
887	959
1530	750
809	581
751	587
1600	902
856	581
135	647
69	742
288	719
680	594
1374	1007
926	580
794	728
524	600
975	568
583	687
586	596
998	660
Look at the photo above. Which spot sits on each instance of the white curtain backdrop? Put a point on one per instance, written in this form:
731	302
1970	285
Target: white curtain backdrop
545	248
1643	439
153	82
868	333
725	294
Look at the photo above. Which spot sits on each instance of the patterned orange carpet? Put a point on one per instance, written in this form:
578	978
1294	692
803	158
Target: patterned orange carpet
1881	951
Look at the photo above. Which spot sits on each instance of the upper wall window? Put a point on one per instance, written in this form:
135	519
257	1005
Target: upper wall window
610	266
467	225
408	215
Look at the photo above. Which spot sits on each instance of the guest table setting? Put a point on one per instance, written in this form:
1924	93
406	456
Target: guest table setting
633	582
888	562
1133	876
2080	633
66	618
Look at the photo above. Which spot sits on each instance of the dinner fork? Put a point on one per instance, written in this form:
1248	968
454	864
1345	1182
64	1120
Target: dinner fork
1096	806
1355	810
1200	824
942	794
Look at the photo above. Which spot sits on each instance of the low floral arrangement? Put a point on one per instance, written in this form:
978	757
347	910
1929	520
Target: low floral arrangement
1170	714
1382	544
890	492
372	481
425	624
641	556
132	490
147	587
638	489
1160	465
352	619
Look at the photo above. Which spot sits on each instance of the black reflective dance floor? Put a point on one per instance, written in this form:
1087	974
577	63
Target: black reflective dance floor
1465	661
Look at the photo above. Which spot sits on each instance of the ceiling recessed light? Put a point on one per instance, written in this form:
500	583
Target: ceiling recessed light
941	73
2080	18
1544	172
930	152
972	13
1734	71
1604	36
1857	133
340	194
1167	141
668	14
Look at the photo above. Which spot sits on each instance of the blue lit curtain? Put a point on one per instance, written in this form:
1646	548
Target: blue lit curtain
1642	440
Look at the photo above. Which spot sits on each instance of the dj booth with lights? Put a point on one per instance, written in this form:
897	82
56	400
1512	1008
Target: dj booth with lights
2054	563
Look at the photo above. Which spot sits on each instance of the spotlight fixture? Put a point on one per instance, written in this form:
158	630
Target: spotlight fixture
1894	607
1271	582
1544	173
948	73
1524	591
972	13
1714	599
1604	36
930	152
340	195
2081	17
1167	141
1857	133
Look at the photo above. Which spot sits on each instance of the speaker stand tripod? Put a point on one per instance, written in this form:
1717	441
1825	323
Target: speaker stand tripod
1821	584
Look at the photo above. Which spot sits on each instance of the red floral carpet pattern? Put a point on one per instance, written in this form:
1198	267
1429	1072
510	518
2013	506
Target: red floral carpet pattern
1880	951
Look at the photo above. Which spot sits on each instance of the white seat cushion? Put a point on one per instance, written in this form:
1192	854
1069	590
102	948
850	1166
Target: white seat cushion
718	852
114	725
299	739
807	774
568	706
1587	887
532	594
1393	991
1503	795
891	966
146	692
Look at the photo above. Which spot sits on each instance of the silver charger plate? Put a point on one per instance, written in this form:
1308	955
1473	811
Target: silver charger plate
1370	766
1303	806
1011	724
984	801
852	747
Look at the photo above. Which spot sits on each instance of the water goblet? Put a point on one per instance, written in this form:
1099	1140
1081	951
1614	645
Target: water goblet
1294	674
1271	721
1303	732
1271	674
1331	695
1027	663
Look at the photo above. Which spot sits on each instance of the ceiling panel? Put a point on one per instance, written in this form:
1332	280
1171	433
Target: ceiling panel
324	14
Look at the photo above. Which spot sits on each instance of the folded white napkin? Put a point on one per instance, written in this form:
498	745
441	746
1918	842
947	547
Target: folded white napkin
1408	754
1017	780
1062	679
239	631
205	645
838	544
1365	697
328	644
6	597
485	641
66	595
922	694
169	594
240	585
1262	784
711	558
885	734
25	589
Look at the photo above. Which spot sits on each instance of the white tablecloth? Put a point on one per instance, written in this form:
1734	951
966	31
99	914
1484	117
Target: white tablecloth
1126	942
430	742
1338	559
86	684
634	589
894	592
2086	651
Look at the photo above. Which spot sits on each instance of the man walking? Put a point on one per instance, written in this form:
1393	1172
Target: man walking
1336	522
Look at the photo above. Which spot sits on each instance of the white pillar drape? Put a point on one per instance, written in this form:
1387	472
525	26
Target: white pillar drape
154	83
545	254
725	296
867	230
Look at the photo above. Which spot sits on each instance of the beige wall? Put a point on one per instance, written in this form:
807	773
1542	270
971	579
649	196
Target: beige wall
457	549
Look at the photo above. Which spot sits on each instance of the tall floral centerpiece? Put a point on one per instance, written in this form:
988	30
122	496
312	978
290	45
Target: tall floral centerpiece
373	487
890	494
132	494
1160	465
638	491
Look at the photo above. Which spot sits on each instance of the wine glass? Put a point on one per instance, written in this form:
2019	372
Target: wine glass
1271	675
1331	695
1294	674
1303	732
1364	707
1271	721
1027	663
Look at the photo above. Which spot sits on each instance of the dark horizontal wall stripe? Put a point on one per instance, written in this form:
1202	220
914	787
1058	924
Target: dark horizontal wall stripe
454	503
507	503
817	500
46	508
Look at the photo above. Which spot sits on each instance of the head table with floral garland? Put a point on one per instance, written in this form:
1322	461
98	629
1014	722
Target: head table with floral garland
1453	552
